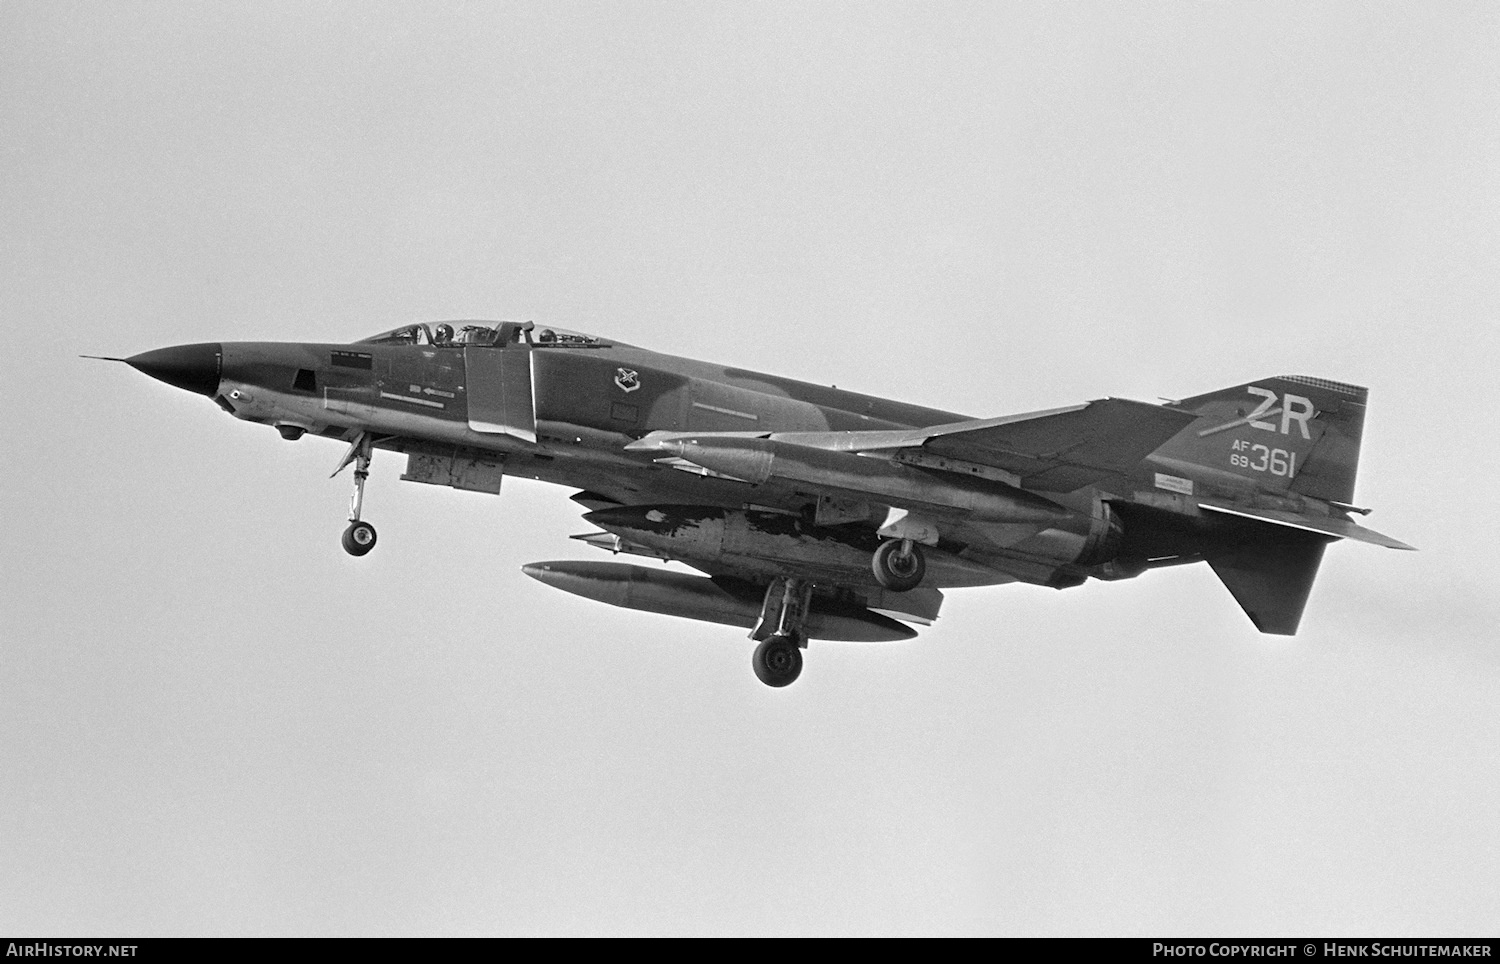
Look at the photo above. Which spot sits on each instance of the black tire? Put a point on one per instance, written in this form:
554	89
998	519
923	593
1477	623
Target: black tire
778	661
896	570
359	538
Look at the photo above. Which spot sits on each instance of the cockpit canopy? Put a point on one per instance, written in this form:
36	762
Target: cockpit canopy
494	334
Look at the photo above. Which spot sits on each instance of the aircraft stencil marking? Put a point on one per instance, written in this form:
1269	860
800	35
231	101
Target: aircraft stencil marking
837	516
1172	483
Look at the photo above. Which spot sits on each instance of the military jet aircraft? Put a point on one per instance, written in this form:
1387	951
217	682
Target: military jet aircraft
815	513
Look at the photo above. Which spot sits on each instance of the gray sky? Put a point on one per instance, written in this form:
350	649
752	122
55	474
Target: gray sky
213	721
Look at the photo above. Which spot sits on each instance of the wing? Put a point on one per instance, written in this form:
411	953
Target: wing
1058	450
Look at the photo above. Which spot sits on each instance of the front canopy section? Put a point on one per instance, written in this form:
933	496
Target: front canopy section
439	333
484	334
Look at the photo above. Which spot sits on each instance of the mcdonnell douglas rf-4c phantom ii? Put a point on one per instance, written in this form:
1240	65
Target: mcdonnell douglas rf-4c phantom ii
816	513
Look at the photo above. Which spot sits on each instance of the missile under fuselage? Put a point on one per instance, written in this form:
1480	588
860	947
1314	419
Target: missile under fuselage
759	460
710	600
761	545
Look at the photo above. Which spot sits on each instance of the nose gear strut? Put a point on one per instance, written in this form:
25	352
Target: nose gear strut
359	538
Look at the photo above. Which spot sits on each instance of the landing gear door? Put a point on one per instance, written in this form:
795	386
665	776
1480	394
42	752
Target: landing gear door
499	391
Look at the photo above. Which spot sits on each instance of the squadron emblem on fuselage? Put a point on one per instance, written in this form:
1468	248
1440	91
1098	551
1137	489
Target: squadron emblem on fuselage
627	379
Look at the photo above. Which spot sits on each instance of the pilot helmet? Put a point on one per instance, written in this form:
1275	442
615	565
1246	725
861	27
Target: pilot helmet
443	335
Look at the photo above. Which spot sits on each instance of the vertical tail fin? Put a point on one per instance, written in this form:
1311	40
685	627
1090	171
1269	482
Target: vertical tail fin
1289	432
1292	434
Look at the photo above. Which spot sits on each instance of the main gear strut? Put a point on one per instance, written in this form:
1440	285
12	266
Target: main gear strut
778	658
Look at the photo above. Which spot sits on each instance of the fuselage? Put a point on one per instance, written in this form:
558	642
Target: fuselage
418	398
815	512
467	408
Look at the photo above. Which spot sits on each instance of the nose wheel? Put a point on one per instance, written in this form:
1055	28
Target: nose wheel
359	538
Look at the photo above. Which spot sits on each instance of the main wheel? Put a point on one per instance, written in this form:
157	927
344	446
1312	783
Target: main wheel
778	661
359	538
896	570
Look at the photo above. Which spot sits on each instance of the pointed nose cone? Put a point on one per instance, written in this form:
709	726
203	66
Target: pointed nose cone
617	516
193	368
539	571
605	581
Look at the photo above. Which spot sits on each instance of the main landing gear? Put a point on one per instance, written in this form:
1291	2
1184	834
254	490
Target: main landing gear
778	659
898	565
359	538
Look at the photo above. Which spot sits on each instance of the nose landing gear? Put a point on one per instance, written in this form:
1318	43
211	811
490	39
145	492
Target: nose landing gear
359	538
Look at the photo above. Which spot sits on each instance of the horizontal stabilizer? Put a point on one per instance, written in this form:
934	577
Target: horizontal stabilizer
1325	525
